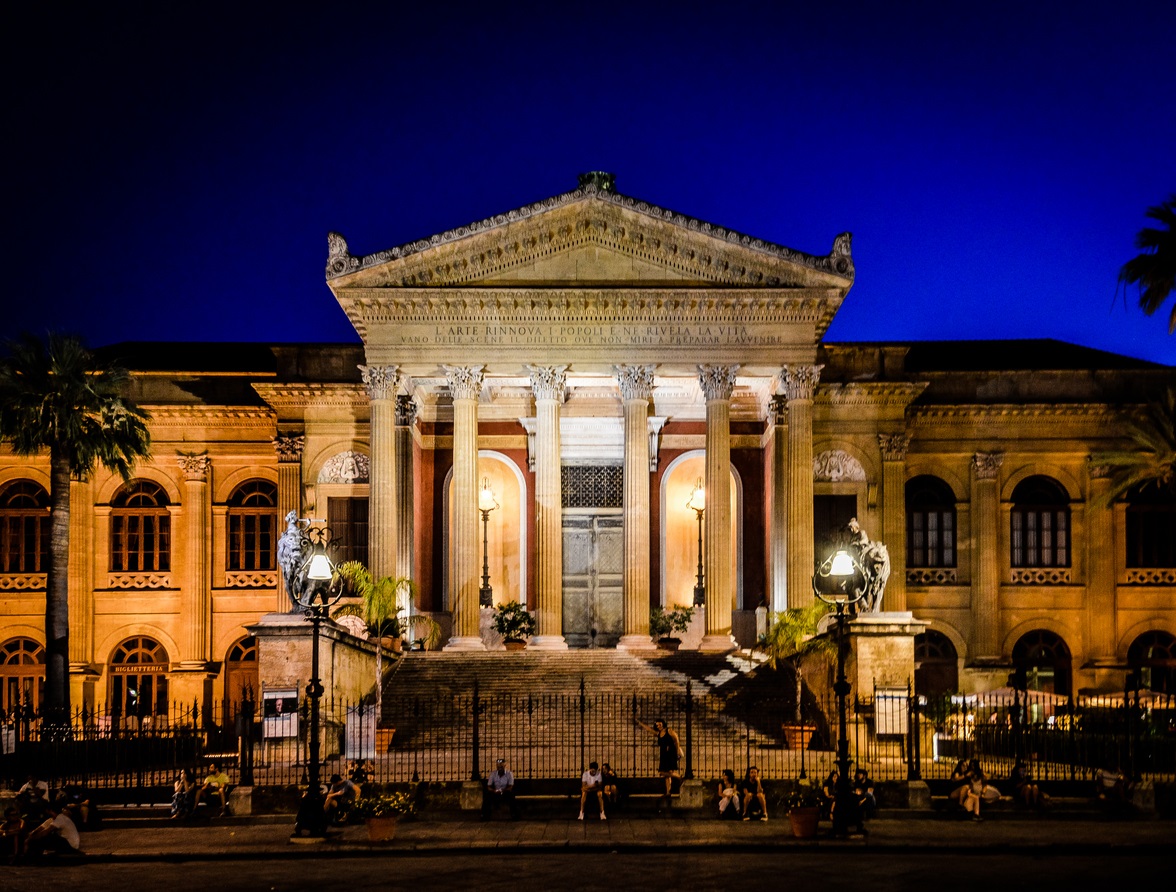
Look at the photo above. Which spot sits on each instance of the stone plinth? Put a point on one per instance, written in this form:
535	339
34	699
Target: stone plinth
883	646
347	665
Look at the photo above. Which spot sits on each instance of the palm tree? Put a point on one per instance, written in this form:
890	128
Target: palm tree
1154	271
57	396
791	637
1149	459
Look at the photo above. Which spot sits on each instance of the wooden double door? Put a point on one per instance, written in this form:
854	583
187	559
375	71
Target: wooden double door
593	565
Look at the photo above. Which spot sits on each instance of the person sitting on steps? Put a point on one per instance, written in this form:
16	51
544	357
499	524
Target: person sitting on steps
754	800
592	784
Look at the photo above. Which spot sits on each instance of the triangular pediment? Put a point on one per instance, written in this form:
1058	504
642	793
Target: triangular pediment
585	238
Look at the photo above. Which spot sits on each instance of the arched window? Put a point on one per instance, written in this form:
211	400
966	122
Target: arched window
138	678
1042	662
1153	656
24	528
252	524
241	672
140	529
22	674
1151	528
1040	523
936	664
931	523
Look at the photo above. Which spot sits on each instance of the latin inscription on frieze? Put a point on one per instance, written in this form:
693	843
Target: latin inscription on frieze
556	334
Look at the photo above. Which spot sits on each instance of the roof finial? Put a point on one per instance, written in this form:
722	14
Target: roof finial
598	181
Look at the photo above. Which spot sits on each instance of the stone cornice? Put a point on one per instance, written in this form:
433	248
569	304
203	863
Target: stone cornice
293	398
172	415
868	394
663	235
1051	413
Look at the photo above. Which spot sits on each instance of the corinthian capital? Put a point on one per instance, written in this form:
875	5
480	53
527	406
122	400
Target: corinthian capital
717	381
465	381
194	465
381	381
987	464
636	381
405	410
799	381
548	382
894	446
289	447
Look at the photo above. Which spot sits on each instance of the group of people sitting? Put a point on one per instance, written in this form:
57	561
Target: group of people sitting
743	800
188	794
39	823
862	799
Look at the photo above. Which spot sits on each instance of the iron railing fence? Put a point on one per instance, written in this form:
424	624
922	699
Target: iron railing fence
455	737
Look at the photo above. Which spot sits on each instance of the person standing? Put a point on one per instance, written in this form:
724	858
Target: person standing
592	784
669	753
499	790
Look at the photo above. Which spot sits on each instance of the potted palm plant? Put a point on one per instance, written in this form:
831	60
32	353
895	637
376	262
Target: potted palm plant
791	638
664	623
514	623
385	601
381	811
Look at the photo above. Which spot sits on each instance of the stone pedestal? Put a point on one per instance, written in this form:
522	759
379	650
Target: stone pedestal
883	649
347	665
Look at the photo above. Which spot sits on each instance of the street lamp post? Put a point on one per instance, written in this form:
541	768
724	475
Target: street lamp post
697	504
842	567
319	590
486	504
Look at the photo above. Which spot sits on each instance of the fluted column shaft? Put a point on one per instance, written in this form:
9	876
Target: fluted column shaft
197	594
405	538
778	531
548	385
81	576
1100	561
718	383
894	449
636	391
382	383
289	448
798	384
465	383
985	643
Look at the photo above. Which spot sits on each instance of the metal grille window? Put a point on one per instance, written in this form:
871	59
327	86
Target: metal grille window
252	524
1040	524
24	528
931	523
140	529
592	486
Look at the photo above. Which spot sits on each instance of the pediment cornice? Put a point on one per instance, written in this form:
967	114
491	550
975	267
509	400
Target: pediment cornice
868	394
293	398
687	248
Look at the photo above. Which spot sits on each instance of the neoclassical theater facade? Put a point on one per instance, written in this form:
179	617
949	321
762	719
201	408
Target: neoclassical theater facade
591	359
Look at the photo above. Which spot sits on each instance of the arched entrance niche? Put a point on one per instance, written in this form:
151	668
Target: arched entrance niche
241	674
1152	656
937	665
138	682
505	529
679	531
1042	661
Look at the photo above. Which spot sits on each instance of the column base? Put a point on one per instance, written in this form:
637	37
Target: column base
547	642
636	643
465	642
717	644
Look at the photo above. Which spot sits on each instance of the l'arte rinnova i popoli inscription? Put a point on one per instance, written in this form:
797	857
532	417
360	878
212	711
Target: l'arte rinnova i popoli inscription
574	334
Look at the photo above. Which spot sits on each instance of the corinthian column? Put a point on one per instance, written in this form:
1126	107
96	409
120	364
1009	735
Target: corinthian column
405	541
548	385
465	383
381	383
894	449
718	383
289	448
196	610
798	384
777	535
636	390
985	643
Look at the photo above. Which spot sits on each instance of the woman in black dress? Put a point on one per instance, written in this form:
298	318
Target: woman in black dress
669	753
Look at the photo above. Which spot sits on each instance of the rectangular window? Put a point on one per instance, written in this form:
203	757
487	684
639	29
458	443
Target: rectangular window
348	520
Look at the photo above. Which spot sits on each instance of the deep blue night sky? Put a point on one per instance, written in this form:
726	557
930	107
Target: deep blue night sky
175	173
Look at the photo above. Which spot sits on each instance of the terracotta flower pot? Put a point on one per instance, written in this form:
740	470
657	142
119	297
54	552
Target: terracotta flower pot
804	821
515	644
798	736
670	644
381	829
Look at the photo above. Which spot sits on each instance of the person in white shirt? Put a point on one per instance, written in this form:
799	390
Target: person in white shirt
499	790
59	834
591	783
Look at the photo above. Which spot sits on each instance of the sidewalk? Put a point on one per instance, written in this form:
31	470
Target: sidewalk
268	836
